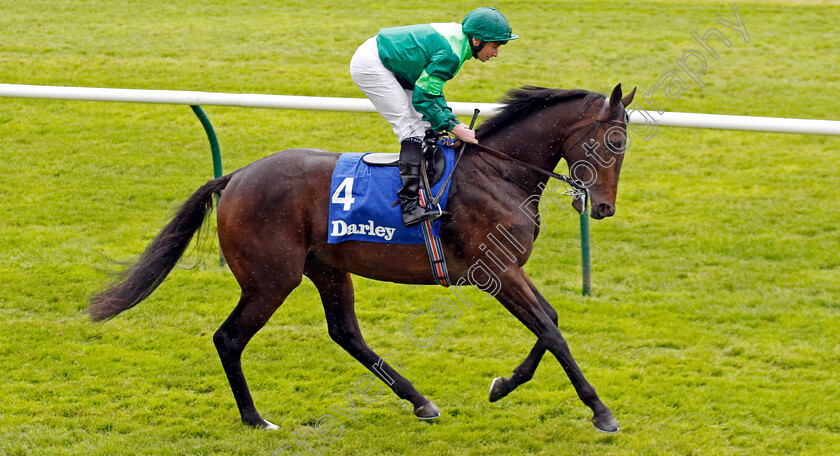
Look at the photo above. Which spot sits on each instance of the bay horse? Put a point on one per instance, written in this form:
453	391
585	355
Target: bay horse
272	229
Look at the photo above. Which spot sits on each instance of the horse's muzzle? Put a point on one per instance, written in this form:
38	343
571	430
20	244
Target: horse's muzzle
603	210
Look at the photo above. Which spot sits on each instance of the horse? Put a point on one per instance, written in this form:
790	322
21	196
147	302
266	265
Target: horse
272	230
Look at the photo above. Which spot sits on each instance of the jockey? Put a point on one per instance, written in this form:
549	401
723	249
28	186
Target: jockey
402	70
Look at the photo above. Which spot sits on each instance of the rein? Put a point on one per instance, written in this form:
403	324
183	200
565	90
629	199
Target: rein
523	164
560	177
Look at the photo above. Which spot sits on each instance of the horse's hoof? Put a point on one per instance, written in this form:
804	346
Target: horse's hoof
269	426
497	391
427	411
262	424
605	422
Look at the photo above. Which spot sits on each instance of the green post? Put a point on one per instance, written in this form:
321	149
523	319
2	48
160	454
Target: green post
217	155
586	263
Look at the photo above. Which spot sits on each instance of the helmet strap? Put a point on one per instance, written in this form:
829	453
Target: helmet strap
477	49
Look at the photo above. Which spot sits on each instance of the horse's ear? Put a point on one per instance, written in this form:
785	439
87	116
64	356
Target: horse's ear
629	98
615	98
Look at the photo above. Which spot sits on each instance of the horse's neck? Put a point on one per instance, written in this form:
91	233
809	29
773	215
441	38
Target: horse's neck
536	140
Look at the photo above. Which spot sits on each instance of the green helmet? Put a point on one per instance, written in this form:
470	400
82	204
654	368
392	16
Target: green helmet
487	24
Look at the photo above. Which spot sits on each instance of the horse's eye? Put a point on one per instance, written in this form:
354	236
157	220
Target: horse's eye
615	142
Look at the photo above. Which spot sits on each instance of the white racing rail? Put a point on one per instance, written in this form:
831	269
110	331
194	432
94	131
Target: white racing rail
650	118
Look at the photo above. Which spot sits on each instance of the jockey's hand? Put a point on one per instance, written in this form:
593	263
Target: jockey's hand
464	134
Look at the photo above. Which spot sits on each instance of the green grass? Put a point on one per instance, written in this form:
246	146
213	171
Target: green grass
713	329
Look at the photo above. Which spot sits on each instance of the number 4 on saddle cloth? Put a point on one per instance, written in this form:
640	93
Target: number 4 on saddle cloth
362	206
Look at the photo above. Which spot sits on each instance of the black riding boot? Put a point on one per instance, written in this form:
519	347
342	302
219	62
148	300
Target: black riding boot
411	152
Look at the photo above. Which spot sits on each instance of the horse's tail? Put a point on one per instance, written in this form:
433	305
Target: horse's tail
139	281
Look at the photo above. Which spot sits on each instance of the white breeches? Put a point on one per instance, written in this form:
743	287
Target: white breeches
387	95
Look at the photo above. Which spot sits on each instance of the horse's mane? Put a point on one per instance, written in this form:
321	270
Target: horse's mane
521	102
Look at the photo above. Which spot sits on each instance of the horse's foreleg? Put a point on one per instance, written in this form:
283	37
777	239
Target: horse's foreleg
502	386
251	314
336	289
520	300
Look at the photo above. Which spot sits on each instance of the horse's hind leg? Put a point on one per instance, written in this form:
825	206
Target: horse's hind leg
336	289
253	311
502	386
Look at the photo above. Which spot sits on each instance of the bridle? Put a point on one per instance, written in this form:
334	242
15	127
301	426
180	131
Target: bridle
594	126
561	177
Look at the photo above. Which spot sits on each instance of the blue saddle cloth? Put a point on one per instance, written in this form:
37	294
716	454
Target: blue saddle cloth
361	198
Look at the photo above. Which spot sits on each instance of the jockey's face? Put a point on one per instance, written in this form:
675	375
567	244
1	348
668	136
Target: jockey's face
490	50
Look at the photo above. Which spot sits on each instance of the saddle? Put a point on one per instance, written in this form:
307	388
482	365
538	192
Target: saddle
432	154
